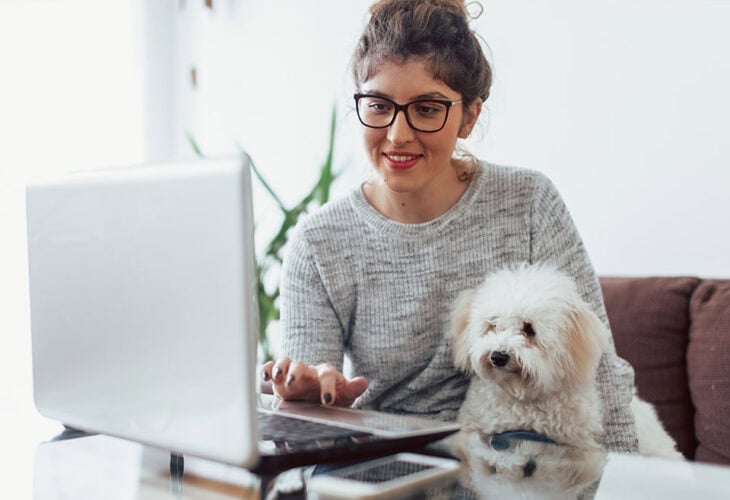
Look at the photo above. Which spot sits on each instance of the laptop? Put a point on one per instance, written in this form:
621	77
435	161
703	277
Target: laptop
144	321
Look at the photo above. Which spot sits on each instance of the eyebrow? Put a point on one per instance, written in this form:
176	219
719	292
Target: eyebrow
428	95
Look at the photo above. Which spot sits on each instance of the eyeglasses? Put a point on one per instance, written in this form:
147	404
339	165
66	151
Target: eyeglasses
423	115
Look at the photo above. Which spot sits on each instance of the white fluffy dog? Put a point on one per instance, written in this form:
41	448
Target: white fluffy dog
534	347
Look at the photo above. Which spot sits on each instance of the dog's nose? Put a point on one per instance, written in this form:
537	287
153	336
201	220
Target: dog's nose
499	359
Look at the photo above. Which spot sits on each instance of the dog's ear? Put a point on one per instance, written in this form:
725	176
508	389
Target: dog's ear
457	329
587	341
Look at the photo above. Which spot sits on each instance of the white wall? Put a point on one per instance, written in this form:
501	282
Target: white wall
622	103
625	105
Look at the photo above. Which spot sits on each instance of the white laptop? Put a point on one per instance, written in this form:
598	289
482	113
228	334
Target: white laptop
144	319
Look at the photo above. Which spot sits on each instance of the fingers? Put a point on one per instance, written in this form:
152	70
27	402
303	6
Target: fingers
280	370
348	392
276	371
293	380
328	381
335	389
354	388
266	371
299	374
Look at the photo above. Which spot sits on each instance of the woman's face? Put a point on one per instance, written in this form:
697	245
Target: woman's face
409	161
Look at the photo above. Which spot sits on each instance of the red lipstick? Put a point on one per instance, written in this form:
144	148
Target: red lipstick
401	160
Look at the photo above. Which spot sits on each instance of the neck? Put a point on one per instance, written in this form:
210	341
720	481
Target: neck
415	207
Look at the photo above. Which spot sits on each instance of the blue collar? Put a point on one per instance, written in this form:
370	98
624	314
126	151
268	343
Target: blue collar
501	441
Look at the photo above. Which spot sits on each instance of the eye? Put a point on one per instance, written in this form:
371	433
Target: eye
489	328
379	107
428	109
376	106
528	330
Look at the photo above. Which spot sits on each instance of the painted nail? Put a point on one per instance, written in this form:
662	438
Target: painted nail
277	372
289	379
327	398
265	375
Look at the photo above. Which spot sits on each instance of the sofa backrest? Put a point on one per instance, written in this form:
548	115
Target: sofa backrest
674	331
708	366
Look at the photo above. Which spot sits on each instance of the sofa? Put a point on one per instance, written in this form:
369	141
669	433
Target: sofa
675	331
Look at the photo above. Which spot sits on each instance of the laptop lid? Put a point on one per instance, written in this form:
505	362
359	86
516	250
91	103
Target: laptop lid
143	305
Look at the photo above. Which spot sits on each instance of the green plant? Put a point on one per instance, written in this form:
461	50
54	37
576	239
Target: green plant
272	256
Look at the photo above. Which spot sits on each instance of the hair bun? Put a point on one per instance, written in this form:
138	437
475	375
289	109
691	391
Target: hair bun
459	6
434	31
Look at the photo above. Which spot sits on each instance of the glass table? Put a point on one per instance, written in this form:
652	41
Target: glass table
105	467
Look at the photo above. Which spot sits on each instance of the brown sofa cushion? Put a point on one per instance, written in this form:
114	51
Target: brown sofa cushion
708	363
649	319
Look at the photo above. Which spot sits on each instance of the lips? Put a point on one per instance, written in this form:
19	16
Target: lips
401	160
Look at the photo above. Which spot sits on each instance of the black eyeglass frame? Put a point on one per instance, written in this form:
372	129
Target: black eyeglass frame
404	108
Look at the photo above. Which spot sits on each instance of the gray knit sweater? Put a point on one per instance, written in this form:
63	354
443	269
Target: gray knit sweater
358	285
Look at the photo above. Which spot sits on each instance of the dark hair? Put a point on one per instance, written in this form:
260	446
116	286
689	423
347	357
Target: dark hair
436	31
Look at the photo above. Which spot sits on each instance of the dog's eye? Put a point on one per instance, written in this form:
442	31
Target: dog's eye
489	328
528	330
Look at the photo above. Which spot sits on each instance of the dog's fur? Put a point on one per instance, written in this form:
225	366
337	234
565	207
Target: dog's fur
533	346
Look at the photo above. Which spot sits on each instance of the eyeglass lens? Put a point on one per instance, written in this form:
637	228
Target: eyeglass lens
427	116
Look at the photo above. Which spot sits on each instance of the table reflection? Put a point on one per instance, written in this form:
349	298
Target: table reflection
98	466
105	467
505	467
527	465
510	465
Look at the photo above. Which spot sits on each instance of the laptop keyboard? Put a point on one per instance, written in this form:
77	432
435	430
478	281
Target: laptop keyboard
280	428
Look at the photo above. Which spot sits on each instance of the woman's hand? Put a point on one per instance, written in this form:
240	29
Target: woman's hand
295	381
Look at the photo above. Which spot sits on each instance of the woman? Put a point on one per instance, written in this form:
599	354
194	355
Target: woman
372	277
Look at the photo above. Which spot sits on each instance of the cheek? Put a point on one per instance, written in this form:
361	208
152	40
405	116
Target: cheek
373	138
440	144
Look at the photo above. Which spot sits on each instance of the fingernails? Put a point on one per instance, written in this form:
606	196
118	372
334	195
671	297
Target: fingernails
265	375
327	398
289	379
277	372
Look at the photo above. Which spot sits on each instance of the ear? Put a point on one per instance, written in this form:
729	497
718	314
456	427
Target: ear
457	329
471	115
587	341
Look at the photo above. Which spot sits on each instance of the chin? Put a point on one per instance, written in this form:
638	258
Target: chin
533	346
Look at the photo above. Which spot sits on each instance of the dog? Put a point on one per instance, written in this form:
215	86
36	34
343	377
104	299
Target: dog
533	346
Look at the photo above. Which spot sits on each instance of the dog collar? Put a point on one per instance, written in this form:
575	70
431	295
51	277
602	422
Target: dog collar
501	441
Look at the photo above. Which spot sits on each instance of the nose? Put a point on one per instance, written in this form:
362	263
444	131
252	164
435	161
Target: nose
400	132
499	358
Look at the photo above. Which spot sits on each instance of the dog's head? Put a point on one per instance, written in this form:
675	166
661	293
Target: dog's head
528	330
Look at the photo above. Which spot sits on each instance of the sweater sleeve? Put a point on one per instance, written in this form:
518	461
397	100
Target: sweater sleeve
311	330
555	240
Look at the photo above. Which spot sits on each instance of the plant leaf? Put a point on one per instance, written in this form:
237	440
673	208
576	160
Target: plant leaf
261	178
194	144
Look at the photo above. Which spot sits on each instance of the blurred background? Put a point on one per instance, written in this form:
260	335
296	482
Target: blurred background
622	103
